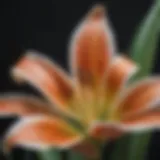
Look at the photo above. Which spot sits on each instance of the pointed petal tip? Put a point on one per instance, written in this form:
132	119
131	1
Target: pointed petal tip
31	54
97	11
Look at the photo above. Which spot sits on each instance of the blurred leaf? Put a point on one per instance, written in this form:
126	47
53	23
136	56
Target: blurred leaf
142	51
144	44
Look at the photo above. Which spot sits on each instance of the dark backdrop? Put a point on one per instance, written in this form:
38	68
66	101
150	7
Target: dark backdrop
46	26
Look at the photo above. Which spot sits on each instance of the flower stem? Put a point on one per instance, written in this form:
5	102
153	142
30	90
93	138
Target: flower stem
49	155
139	145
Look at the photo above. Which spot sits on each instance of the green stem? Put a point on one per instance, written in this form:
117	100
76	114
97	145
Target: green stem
119	152
138	146
49	155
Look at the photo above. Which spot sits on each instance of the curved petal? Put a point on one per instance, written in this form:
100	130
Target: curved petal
42	132
120	70
140	97
22	105
105	130
91	47
148	120
46	76
143	121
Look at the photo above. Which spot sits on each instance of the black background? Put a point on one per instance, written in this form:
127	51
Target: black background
46	26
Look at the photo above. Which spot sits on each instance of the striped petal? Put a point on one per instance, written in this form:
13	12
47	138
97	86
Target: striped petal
22	105
91	48
105	130
143	121
142	96
41	133
118	74
147	120
46	76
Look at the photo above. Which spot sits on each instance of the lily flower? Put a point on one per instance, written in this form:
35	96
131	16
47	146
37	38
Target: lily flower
94	103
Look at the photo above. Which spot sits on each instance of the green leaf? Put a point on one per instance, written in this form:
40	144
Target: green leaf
145	41
143	52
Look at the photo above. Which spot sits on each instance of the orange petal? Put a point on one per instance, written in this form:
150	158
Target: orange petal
91	47
103	131
142	96
42	132
142	121
46	76
19	105
119	73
